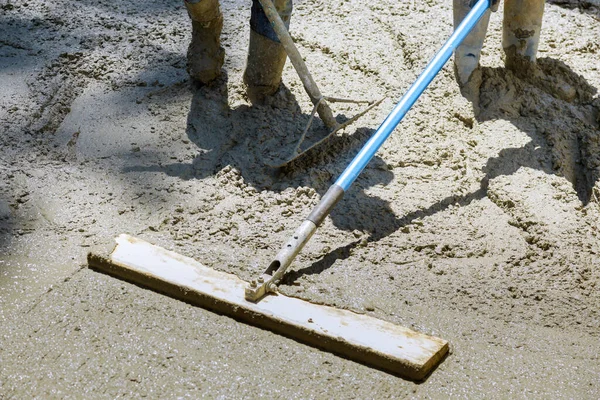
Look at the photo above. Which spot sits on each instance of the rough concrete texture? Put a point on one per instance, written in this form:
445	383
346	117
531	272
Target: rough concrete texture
477	223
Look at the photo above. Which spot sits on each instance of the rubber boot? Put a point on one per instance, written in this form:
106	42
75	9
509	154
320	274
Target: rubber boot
466	56
205	55
266	55
520	39
521	33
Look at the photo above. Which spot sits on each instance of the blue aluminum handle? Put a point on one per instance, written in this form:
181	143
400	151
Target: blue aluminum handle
393	119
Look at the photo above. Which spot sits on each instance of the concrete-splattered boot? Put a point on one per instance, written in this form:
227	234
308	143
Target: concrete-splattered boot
466	56
266	55
205	55
521	34
520	39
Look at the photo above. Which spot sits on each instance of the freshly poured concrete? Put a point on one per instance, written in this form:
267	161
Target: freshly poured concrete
480	227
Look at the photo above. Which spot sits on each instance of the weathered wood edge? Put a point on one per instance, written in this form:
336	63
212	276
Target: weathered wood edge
362	354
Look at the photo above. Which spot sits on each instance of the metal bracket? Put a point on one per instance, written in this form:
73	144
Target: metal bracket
266	283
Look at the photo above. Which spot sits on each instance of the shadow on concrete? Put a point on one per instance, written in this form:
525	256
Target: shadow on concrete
556	108
247	137
567	147
250	138
51	55
6	229
151	7
591	7
8	223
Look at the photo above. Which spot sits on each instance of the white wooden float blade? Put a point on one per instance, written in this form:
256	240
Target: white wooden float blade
358	337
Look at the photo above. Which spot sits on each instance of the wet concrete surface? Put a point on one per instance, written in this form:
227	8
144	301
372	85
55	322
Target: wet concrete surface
476	222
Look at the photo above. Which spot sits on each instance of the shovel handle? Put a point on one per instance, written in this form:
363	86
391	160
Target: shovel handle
298	62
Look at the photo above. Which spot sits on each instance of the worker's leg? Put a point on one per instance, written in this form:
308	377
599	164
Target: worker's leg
466	56
205	54
521	35
266	56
